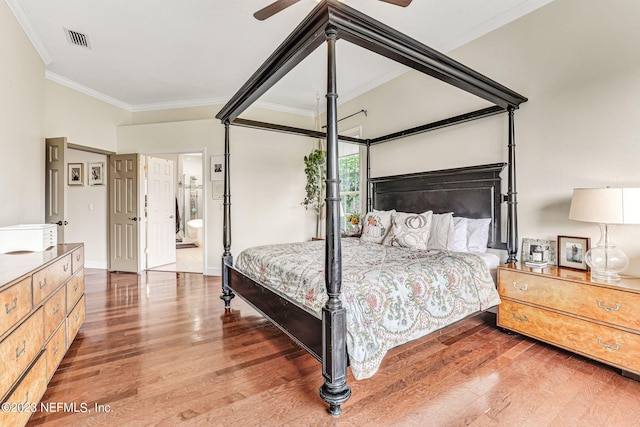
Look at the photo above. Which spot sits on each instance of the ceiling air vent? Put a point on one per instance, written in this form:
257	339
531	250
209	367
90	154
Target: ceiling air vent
77	38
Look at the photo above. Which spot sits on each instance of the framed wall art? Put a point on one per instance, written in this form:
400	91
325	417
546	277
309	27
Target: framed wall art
217	168
538	250
96	173
75	174
572	251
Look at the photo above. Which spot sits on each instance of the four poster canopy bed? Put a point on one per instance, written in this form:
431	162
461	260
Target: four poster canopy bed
346	307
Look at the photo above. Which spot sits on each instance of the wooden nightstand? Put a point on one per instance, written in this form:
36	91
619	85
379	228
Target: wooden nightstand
564	308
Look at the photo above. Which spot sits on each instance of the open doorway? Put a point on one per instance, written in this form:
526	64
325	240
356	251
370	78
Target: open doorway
188	212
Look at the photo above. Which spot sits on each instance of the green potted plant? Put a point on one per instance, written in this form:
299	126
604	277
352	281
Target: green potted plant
315	169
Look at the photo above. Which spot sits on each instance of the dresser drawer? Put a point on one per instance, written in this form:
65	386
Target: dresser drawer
75	289
77	259
48	279
55	349
614	306
19	349
609	345
15	303
75	320
23	401
55	310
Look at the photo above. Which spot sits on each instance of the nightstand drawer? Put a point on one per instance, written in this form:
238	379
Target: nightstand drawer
55	349
75	320
609	345
613	306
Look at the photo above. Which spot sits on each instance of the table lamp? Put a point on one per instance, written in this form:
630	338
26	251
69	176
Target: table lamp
607	207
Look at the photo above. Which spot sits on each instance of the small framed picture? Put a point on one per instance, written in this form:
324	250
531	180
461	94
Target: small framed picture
217	168
571	252
75	174
538	250
96	173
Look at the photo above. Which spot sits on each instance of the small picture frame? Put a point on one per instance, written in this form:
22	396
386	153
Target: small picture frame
572	251
75	174
96	173
217	168
539	250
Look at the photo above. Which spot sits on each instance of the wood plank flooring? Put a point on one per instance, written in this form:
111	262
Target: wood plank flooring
159	350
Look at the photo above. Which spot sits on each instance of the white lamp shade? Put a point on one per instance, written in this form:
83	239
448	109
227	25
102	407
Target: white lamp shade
606	205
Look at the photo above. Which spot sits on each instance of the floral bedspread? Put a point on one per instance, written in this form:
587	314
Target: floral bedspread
392	295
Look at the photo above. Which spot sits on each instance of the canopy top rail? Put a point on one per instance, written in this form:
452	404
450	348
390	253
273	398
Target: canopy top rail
362	30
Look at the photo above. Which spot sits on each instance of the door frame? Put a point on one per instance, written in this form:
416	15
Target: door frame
206	190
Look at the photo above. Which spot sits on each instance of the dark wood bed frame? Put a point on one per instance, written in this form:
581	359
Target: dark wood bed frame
473	192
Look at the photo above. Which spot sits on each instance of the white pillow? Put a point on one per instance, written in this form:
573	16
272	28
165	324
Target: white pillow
478	234
441	233
459	234
375	226
409	230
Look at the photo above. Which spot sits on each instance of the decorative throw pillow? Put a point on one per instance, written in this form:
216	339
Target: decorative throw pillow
441	233
376	225
459	234
478	234
409	230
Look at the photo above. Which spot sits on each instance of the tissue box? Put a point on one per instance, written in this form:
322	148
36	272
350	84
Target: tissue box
28	237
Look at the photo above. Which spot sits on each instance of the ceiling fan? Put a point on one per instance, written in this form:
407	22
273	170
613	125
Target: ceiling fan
280	5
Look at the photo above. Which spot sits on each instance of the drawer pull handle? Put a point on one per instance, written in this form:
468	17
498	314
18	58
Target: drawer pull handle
20	352
520	287
78	257
56	310
606	307
518	318
10	310
608	346
56	349
26	399
43	283
75	287
65	267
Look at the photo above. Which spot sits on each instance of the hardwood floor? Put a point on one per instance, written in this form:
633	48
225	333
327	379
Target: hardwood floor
159	349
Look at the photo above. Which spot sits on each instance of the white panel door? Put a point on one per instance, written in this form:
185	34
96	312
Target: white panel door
161	211
123	213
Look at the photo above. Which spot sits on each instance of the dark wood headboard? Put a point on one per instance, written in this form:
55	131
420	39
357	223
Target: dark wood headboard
472	192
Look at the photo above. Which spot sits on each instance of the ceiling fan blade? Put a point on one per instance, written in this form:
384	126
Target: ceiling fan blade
273	8
402	3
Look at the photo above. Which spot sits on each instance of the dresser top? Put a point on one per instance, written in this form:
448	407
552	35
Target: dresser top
629	283
17	264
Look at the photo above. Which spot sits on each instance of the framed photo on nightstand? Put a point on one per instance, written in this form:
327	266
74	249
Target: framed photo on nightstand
539	251
572	251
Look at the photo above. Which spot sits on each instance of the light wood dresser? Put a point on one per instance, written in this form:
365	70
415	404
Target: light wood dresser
41	310
565	308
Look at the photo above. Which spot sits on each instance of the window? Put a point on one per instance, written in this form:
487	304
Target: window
349	171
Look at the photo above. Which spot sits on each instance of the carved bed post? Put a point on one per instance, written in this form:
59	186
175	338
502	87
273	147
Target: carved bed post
369	201
335	390
512	201
227	258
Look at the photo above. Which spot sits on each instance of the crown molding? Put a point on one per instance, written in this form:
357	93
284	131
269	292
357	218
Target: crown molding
23	19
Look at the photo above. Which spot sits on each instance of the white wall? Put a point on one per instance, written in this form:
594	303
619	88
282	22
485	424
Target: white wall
86	211
21	125
577	63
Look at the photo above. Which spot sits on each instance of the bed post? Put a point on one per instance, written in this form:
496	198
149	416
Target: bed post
368	193
335	390
512	202
227	258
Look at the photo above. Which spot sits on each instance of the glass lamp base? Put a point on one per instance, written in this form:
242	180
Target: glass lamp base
606	260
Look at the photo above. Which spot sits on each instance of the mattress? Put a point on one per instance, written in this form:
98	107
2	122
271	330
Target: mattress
391	295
